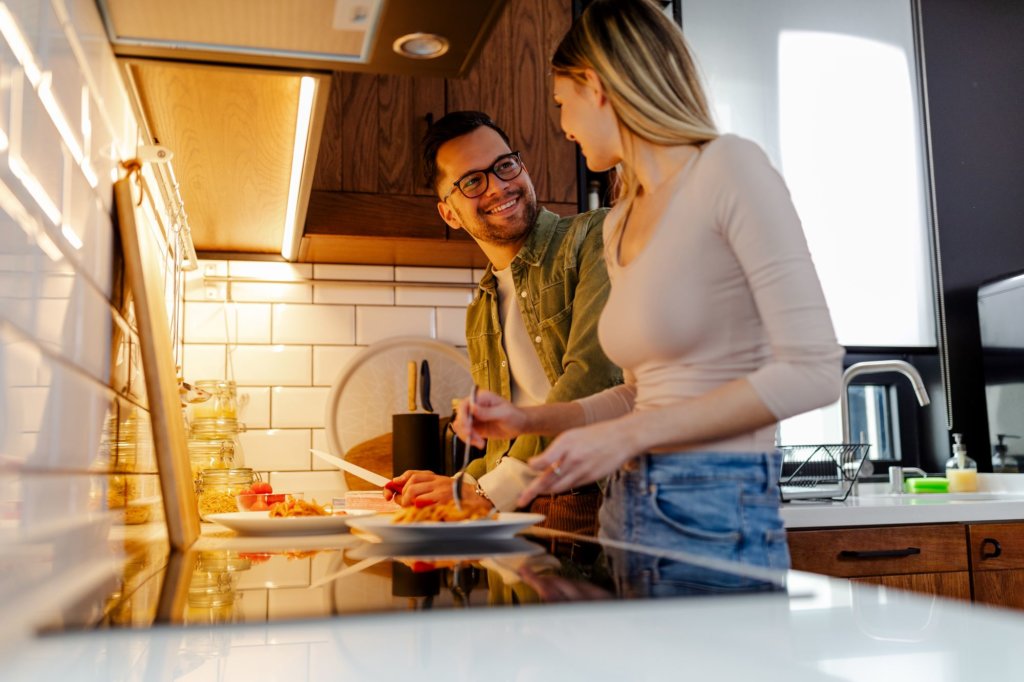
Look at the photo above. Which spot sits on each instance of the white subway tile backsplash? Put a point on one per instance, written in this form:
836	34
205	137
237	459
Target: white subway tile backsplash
35	156
451	325
227	322
329	361
320	443
284	292
254	406
313	324
203	361
380	273
281	272
272	365
67	80
367	294
322	485
293	407
421	274
277	449
314	342
376	323
430	296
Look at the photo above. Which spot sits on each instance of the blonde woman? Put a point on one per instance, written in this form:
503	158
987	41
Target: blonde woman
716	314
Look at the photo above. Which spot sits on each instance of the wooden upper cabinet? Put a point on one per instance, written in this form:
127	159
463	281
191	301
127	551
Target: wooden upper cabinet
369	184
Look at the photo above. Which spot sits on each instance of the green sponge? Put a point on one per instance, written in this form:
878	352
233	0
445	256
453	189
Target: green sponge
936	484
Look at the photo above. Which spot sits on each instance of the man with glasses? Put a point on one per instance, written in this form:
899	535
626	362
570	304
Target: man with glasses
531	330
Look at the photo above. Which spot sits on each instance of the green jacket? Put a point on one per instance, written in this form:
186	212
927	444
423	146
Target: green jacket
561	267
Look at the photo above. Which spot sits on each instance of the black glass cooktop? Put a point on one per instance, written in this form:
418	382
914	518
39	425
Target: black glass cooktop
259	580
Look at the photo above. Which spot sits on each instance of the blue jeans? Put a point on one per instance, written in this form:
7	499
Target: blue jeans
723	505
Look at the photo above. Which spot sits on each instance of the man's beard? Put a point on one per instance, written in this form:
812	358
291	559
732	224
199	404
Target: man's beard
502	232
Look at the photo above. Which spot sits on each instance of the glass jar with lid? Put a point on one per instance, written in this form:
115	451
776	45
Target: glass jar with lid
216	489
222	403
210	454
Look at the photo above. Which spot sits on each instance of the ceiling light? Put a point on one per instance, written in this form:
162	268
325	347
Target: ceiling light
421	45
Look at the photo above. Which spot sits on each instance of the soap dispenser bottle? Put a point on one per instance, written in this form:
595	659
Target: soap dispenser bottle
1002	463
961	470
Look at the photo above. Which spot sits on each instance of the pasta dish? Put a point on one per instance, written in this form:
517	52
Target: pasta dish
293	507
440	512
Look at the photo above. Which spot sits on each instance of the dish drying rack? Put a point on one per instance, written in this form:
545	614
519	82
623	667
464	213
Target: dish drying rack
820	472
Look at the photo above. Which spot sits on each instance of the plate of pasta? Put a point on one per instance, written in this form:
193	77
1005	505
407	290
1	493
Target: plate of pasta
292	517
443	522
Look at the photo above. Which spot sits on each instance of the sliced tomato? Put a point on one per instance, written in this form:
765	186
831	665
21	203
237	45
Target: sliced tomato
394	486
274	499
262	488
423	566
420	503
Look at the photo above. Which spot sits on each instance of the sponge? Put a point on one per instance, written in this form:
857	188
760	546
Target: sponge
935	484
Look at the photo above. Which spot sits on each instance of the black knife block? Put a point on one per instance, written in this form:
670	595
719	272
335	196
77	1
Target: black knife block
416	442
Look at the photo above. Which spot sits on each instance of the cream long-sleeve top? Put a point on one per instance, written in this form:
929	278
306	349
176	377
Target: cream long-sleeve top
724	289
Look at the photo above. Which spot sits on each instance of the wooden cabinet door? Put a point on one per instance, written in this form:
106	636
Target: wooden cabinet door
369	202
880	551
997	563
510	82
955	585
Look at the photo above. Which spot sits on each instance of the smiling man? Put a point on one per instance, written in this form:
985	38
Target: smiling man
531	330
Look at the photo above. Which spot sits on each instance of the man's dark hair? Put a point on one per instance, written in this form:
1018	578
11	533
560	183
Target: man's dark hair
448	127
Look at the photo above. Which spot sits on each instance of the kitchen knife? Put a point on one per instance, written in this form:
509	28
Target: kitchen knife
425	386
354	469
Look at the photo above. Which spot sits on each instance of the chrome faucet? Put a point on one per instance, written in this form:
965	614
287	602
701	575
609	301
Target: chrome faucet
877	367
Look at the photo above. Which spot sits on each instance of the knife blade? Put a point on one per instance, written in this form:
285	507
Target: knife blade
354	469
425	386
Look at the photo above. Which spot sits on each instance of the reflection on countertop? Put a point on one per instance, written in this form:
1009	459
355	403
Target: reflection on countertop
536	605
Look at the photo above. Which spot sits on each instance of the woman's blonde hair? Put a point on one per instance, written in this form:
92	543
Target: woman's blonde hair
647	72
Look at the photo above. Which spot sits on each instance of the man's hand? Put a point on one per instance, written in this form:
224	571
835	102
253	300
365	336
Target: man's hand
421	488
493	417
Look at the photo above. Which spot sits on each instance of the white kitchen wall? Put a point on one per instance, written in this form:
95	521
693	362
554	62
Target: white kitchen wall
285	338
65	125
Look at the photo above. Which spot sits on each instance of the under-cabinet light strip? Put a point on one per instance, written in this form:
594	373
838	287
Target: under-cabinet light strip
292	230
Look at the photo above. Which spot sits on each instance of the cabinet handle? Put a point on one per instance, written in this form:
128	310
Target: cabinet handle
879	553
992	553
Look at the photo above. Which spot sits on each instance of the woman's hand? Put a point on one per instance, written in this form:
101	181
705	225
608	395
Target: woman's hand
423	488
578	457
492	417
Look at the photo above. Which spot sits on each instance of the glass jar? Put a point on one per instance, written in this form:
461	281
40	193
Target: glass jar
211	599
216	489
210	454
222	403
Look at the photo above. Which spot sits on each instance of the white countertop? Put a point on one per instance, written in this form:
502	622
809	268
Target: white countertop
821	629
1000	497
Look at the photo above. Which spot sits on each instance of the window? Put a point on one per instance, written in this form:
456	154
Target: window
830	91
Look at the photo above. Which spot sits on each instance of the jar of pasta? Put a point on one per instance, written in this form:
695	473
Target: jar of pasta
210	454
216	489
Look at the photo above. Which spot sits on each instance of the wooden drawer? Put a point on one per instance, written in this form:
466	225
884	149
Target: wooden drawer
996	546
891	550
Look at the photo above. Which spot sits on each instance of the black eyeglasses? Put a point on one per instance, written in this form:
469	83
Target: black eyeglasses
474	183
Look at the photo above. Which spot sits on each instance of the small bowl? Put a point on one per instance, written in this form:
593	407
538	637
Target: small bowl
262	501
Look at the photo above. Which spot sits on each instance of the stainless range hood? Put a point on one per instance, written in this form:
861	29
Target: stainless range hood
328	35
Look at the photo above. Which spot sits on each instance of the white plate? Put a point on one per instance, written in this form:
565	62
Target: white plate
261	523
505	526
